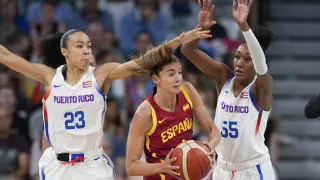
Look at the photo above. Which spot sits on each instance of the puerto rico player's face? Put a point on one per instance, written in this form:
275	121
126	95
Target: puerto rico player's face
78	51
242	63
170	78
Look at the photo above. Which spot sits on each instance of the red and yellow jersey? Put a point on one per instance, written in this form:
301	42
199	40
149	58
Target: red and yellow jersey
169	129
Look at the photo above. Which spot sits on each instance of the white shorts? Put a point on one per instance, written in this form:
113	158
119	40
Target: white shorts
50	168
262	171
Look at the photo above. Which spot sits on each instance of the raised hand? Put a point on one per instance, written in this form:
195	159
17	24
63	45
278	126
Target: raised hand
240	13
206	14
193	35
168	168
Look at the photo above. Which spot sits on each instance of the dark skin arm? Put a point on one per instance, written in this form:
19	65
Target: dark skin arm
263	86
217	70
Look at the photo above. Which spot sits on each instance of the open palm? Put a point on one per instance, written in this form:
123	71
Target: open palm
206	14
240	13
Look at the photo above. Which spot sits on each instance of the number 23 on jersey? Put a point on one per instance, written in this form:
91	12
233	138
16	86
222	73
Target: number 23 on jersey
74	120
229	129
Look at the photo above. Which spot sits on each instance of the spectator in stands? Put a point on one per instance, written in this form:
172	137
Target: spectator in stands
8	100
47	25
91	13
13	28
63	11
312	109
4	77
145	16
100	37
14	150
35	133
181	15
144	40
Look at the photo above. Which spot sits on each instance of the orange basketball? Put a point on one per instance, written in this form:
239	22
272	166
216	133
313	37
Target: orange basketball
192	159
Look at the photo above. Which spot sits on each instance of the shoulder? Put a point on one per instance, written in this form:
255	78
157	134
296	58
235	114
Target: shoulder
142	120
189	88
144	110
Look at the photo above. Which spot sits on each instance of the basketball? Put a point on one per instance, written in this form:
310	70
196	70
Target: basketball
192	159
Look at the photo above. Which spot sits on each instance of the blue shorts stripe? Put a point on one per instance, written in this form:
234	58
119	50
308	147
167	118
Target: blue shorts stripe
260	172
43	176
114	172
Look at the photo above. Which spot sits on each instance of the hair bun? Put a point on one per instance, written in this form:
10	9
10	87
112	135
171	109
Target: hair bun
264	36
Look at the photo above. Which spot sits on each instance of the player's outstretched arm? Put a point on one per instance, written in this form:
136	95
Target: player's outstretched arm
217	70
140	126
38	72
312	109
263	87
150	58
203	116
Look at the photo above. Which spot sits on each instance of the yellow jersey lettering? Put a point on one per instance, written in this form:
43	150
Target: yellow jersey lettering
169	133
176	130
181	127
164	137
187	123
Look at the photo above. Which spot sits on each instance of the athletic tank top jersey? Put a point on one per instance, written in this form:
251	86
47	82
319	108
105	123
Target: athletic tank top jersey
169	129
241	123
73	115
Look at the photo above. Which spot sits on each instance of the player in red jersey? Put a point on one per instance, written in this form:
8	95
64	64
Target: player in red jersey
164	120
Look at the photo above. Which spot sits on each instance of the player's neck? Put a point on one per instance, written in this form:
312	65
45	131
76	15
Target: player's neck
166	100
240	85
74	75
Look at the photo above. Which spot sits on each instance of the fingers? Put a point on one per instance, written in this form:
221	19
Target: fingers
211	154
209	3
169	154
204	3
250	3
204	34
234	5
199	4
173	167
213	23
196	30
175	174
212	9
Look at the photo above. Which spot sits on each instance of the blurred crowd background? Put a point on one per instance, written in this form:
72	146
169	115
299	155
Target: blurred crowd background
118	29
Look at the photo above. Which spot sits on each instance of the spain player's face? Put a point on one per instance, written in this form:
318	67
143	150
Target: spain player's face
79	50
170	78
242	63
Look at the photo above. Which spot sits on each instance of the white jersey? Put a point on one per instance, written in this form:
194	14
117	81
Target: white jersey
74	115
241	124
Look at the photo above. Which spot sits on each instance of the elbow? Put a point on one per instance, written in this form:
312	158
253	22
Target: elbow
130	170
